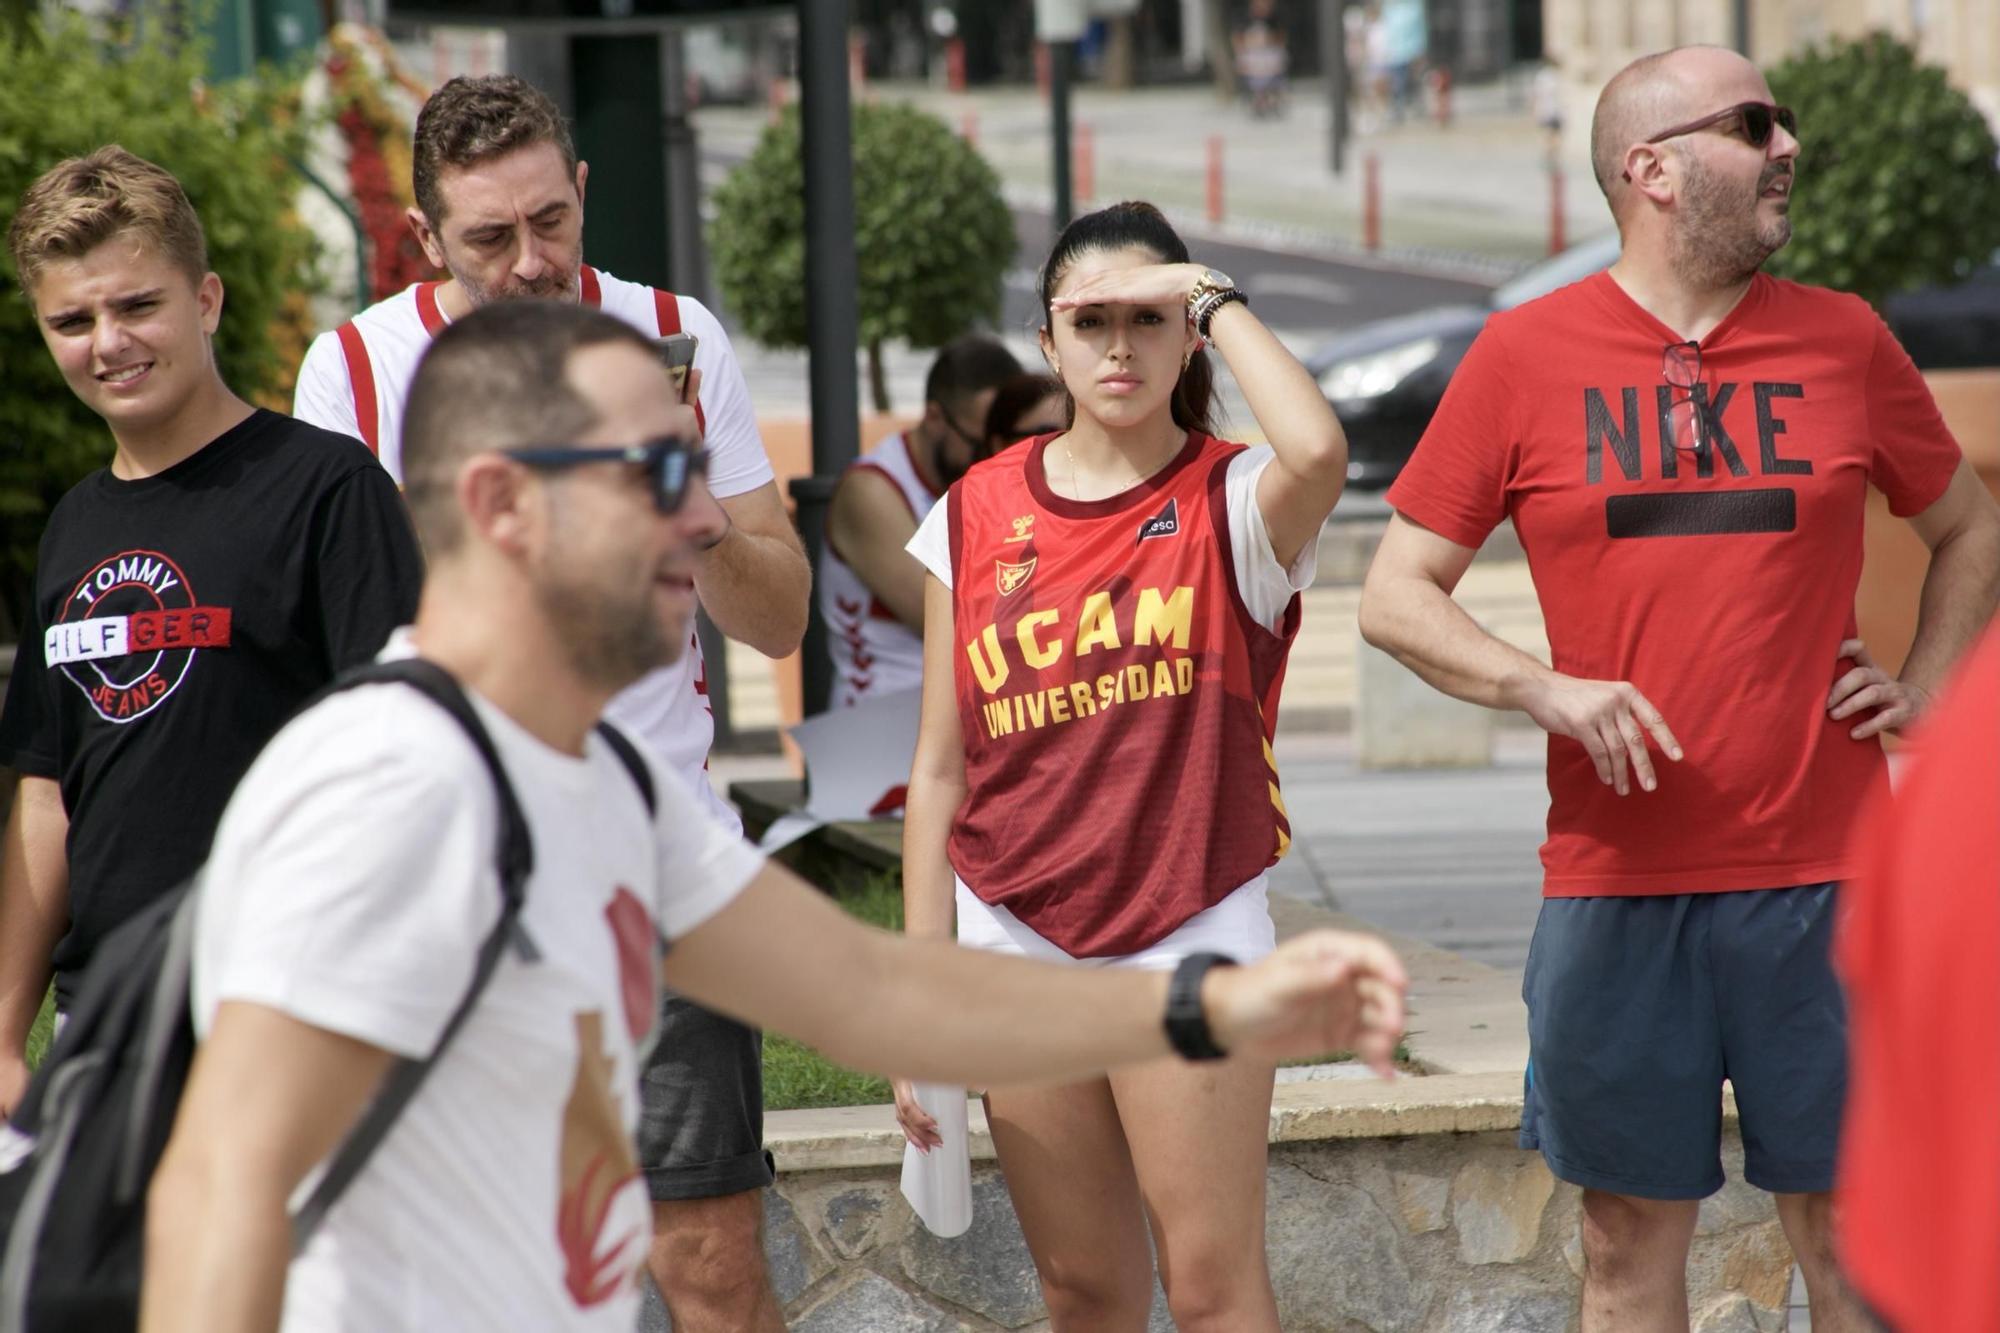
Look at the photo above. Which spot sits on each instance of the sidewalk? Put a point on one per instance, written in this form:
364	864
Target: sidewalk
1472	198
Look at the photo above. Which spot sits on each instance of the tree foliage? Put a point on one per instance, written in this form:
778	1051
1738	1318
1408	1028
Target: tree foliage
932	235
1897	184
65	91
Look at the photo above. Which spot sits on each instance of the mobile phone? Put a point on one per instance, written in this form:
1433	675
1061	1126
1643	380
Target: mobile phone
677	351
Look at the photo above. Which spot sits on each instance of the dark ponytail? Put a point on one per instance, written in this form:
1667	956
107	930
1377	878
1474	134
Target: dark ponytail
1135	224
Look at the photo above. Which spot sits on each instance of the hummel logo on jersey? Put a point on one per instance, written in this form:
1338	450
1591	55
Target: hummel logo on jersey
1024	528
1163	524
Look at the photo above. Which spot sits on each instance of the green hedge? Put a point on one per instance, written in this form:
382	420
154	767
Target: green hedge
933	237
65	90
1897	185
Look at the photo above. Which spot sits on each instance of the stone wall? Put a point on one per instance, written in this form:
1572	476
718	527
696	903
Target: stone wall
1430	1233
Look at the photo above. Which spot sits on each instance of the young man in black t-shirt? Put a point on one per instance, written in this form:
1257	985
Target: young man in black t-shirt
187	597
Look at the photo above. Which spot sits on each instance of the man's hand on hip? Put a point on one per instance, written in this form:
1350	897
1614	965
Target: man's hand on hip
1610	719
1897	703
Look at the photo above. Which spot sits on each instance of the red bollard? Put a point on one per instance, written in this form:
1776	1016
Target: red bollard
1083	164
1441	86
1558	232
954	64
1043	74
1215	178
1371	202
778	99
857	65
968	129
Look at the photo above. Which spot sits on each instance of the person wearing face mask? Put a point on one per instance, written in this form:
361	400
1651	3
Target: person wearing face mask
1107	616
1684	445
870	590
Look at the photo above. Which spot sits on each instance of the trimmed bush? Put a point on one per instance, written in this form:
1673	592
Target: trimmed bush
932	235
1898	184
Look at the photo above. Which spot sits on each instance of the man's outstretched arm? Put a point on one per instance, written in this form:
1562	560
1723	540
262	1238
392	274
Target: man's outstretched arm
781	956
269	1098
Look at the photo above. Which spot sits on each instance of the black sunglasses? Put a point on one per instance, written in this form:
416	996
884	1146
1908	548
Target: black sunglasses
1758	118
1680	367
671	463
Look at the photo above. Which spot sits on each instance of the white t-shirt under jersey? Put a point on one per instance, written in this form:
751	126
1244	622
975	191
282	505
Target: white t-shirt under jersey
669	708
1240	925
351	883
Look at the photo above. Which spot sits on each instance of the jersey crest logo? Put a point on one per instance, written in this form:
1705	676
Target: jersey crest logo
1011	577
1163	524
1024	529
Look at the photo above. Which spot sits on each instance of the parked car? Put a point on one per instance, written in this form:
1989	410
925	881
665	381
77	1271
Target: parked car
1385	379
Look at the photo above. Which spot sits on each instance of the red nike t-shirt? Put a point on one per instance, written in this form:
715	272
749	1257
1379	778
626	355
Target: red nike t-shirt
1919	949
1720	583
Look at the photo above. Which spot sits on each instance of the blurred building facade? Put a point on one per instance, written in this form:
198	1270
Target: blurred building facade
1593	39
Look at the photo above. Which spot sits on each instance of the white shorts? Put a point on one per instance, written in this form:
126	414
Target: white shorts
1238	926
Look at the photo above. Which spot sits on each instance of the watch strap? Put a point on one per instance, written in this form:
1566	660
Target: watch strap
1186	1022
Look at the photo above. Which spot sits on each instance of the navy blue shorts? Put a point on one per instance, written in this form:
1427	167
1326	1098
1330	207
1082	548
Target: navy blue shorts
1639	1008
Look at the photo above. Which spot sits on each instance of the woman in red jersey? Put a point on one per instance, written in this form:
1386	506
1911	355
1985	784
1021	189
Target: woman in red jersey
1105	635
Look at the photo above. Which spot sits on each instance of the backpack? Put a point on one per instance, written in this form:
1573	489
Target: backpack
77	1158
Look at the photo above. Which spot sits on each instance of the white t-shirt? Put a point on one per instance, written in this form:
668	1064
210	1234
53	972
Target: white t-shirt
1267	588
669	708
351	883
873	652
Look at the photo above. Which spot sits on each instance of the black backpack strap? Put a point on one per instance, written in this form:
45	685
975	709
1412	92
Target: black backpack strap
628	755
515	858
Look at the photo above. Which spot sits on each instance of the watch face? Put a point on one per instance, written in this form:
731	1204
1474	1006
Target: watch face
1217	278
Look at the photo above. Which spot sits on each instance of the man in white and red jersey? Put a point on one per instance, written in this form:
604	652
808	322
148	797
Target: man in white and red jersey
1685	445
499	195
871	590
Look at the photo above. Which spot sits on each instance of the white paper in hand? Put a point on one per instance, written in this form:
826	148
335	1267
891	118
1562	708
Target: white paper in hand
938	1183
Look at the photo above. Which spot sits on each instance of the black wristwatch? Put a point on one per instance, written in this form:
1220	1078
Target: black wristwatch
1187	1025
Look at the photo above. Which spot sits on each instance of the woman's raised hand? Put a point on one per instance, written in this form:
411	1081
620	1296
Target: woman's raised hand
1149	284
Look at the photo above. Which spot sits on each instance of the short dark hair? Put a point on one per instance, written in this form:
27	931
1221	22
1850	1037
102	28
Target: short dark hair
497	379
469	121
968	364
1016	394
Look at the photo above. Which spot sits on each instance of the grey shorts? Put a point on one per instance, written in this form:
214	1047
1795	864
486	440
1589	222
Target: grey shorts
701	1119
1639	1008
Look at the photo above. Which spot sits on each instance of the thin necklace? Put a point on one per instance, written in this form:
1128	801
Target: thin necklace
1076	478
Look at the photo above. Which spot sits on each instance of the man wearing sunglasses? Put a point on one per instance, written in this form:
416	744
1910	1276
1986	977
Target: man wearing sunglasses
500	196
353	879
1684	445
871	590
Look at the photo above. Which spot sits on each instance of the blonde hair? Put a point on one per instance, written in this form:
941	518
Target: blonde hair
78	204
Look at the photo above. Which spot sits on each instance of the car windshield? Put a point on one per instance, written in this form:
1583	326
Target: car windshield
1572	265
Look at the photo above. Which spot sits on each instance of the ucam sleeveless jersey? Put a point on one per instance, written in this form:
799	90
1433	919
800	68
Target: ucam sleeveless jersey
873	652
356	378
1117	700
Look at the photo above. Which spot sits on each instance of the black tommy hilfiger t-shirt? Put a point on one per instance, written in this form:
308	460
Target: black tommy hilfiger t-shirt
177	622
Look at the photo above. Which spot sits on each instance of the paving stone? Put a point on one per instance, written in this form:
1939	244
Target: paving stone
988	1269
876	1305
795	1262
1497	1205
1732	1313
854	1220
1422	1200
1336	1260
1508	1305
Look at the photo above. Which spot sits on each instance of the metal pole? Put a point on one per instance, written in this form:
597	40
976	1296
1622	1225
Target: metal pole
1333	59
1742	15
687	268
833	302
1062	69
